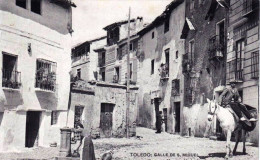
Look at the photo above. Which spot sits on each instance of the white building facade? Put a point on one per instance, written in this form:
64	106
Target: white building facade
35	45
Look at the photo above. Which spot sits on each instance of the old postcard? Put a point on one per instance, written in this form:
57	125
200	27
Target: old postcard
129	79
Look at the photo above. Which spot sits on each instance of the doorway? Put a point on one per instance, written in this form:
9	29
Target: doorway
177	116
106	120
165	118
157	114
32	128
78	115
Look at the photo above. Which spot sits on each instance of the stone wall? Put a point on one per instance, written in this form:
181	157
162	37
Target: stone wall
104	93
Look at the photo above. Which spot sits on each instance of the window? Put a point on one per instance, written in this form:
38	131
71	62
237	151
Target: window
131	70
175	87
101	59
131	47
192	4
152	66
79	73
166	25
191	51
11	78
167	57
152	35
78	115
255	64
239	59
21	3
54	117
177	54
116	75
36	6
45	75
119	53
103	75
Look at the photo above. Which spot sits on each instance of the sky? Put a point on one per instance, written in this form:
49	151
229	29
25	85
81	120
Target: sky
91	16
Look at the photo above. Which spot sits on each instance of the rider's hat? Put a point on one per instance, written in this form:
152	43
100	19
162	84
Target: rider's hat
233	82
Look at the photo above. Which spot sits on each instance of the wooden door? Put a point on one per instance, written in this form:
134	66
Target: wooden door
106	120
177	117
165	118
32	128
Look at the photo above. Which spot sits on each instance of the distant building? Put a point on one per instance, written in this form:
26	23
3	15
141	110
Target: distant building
159	69
84	59
242	63
98	94
35	53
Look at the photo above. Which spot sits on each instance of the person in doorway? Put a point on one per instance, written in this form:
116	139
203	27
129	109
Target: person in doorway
78	128
231	97
159	122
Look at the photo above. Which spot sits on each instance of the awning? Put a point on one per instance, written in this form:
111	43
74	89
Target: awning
186	28
191	27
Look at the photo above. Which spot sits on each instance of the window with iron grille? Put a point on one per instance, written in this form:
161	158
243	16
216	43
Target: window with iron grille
175	87
45	74
188	96
255	64
54	117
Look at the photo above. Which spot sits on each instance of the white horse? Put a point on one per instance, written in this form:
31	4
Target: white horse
229	123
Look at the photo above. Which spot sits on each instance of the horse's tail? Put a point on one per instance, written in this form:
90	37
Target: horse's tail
247	127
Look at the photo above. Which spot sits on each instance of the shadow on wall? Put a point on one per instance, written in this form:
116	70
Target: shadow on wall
146	112
13	98
47	100
195	120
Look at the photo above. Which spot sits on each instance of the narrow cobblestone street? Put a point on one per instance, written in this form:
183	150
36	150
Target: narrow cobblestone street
168	147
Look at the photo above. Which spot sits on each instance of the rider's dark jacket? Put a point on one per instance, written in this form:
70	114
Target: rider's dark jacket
228	95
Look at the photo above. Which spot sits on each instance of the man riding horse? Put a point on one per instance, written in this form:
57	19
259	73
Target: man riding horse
231	97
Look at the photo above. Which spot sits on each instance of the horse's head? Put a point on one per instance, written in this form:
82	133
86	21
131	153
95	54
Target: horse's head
212	107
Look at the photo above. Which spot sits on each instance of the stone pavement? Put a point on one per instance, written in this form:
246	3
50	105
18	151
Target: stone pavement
152	146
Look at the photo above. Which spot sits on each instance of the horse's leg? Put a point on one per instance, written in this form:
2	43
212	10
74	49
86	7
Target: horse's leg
229	153
244	141
238	137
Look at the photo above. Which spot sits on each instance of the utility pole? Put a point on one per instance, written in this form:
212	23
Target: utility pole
128	78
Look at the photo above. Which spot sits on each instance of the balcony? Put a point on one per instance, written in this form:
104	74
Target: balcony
216	47
11	79
46	82
235	70
164	71
186	63
175	87
102	62
115	79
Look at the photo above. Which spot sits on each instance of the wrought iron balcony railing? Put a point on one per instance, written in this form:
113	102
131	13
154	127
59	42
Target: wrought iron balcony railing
11	79
164	71
235	70
216	47
186	63
115	79
46	81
